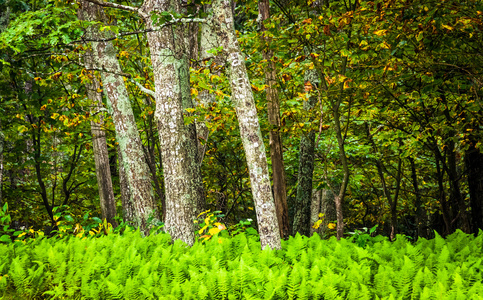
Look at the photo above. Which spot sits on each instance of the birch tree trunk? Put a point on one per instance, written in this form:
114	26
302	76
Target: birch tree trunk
182	177
136	170
273	109
249	126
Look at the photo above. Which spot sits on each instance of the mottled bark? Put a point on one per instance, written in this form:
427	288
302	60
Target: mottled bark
273	110
322	203
127	135
249	126
474	167
128	213
301	222
101	156
182	177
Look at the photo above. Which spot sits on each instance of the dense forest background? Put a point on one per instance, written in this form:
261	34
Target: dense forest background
374	107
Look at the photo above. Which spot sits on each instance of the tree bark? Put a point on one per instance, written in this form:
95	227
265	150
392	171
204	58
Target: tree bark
273	109
127	135
2	145
474	167
249	126
421	217
101	156
182	177
322	203
128	213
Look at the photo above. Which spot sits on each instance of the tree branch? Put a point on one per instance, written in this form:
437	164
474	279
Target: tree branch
142	88
136	10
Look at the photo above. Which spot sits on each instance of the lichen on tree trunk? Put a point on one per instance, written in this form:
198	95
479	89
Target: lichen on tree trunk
182	177
127	135
249	126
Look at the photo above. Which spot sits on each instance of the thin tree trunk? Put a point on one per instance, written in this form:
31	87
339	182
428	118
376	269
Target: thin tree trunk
322	203
273	109
421	217
249	126
446	209
456	198
4	20
2	145
339	199
127	135
101	156
182	177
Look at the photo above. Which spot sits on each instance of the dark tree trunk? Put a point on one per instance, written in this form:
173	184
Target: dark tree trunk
273	109
421	217
474	167
101	156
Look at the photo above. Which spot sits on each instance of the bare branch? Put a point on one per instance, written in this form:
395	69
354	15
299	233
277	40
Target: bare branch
142	88
136	10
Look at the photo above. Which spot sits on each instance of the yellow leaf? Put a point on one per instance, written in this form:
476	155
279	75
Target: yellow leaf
203	213
332	226
380	32
194	92
385	45
447	27
202	229
317	224
214	230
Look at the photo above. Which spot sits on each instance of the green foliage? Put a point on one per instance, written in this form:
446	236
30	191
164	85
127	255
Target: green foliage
154	267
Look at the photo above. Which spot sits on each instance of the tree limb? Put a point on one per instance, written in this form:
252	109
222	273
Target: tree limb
142	88
136	10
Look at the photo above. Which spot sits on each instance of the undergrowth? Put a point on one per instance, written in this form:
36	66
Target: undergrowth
129	266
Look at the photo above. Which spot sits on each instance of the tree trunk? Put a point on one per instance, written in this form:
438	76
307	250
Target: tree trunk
101	156
421	217
304	183
127	135
322	203
273	109
128	213
182	177
2	145
445	208
249	126
474	167
456	199
339	199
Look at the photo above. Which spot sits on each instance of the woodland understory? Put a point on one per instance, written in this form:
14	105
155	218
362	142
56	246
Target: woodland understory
286	117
